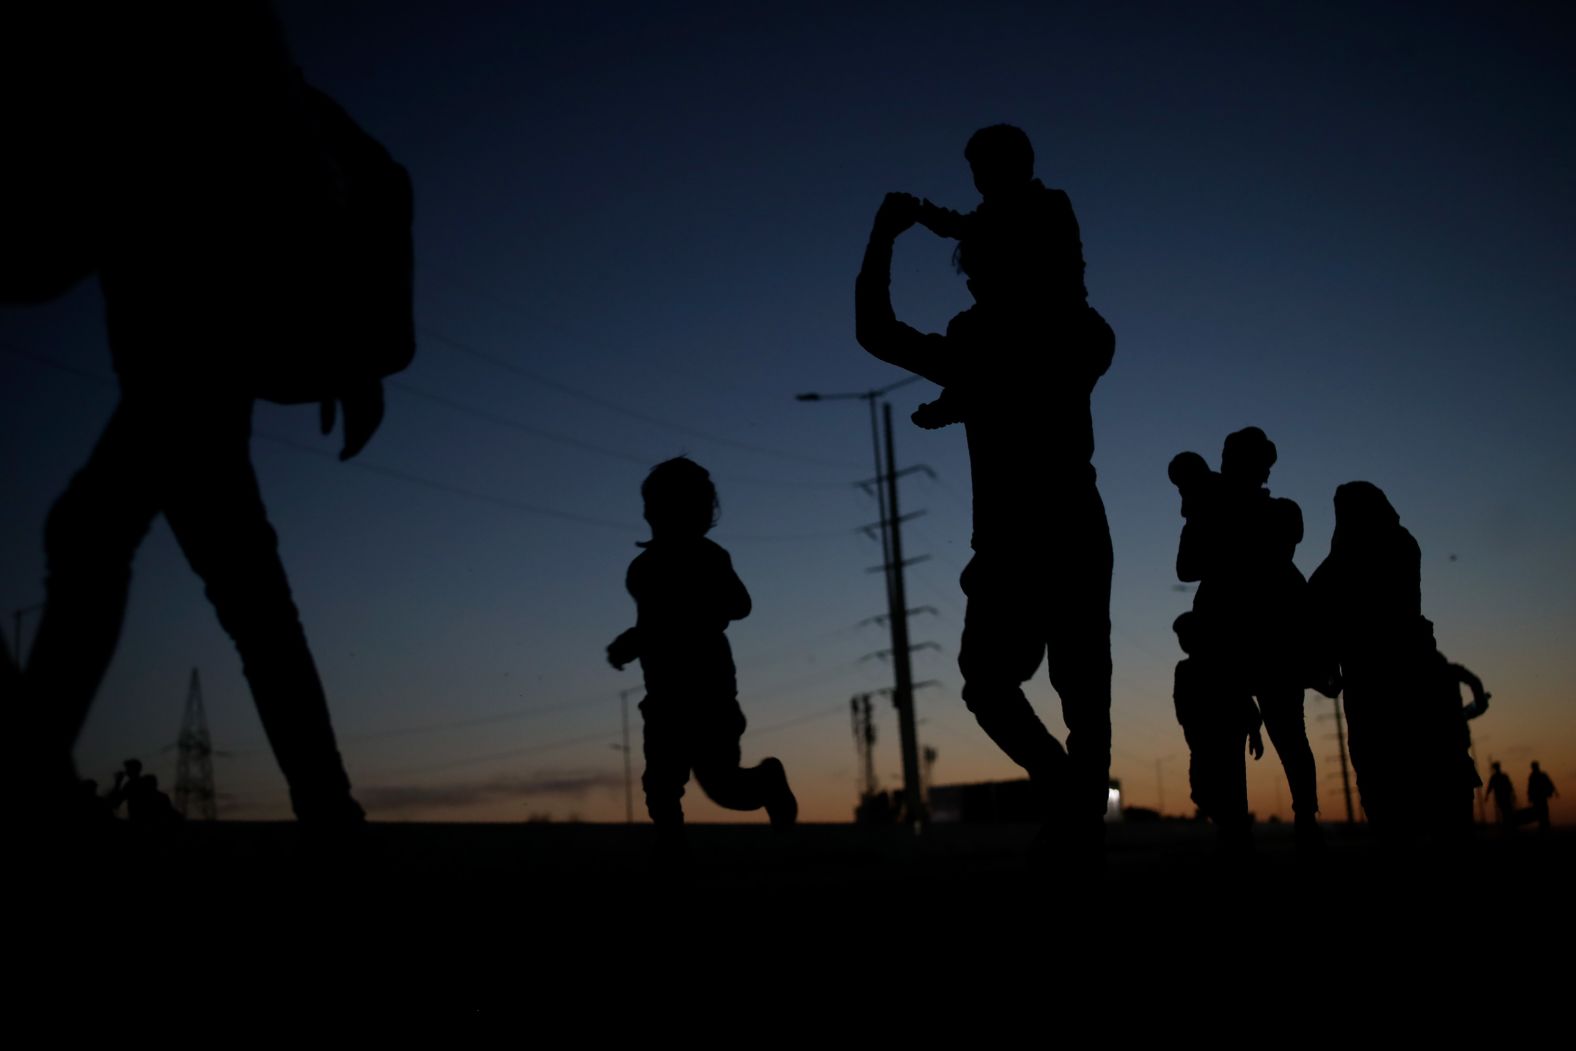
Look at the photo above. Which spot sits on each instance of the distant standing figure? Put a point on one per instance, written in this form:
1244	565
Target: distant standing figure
1503	793
685	593
1540	789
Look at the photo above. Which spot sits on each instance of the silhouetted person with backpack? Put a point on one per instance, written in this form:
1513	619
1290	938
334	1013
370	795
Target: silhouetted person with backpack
234	214
686	593
1407	735
1039	584
1238	543
1540	789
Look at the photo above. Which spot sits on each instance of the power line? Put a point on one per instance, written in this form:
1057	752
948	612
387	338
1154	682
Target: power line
513	424
611	406
840	709
507	503
573	442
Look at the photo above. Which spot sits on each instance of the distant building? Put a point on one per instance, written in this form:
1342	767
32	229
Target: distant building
1000	801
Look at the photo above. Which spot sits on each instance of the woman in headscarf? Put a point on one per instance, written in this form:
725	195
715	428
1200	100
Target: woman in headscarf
1405	729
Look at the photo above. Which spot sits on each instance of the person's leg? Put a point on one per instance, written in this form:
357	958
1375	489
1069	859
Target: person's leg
717	769
667	765
216	511
1003	640
1231	793
90	539
1080	650
1284	719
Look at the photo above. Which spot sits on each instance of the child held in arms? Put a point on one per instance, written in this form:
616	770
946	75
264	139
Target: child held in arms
1023	238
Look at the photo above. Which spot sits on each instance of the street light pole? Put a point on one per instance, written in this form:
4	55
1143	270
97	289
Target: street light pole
885	485
629	791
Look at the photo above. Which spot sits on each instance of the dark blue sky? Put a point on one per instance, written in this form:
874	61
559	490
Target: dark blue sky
637	232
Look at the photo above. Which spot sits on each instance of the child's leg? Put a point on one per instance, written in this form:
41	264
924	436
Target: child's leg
1231	799
667	766
716	750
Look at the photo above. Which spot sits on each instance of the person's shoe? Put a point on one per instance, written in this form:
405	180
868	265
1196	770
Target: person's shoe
781	806
1309	836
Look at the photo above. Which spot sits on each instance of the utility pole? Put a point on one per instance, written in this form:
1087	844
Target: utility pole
1346	776
1340	744
1160	782
194	792
865	744
629	789
902	669
884	486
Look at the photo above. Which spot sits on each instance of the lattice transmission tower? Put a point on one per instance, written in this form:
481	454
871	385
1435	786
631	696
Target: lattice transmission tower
194	793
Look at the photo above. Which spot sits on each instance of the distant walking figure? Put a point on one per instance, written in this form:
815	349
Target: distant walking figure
1540	789
1218	718
1407	735
234	213
1503	793
1238	543
685	593
1039	584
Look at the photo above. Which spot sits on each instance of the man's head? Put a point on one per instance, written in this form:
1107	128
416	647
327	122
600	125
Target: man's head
1001	159
133	768
1186	627
1496	768
1534	766
1247	457
680	498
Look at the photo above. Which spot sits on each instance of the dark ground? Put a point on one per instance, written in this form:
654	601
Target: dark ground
461	920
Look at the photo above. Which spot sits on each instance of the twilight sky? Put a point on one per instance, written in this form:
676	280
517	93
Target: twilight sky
637	233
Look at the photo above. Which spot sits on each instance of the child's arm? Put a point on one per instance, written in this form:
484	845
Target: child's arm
943	222
624	649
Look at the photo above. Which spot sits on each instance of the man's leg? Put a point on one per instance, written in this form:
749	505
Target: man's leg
1080	649
1003	639
1231	817
216	511
1284	719
89	542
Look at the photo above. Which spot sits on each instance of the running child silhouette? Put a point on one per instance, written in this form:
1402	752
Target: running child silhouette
1023	236
685	593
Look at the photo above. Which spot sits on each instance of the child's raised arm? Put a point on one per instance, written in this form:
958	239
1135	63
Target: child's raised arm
943	222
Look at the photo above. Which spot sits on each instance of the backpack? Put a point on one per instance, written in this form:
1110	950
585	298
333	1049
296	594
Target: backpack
346	288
